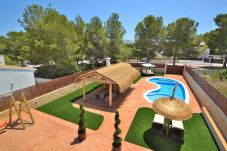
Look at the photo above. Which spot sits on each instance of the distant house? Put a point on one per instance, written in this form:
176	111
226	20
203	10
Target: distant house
14	78
2	61
204	54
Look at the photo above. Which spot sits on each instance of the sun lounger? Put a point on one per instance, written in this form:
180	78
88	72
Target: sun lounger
158	119
177	130
158	124
177	124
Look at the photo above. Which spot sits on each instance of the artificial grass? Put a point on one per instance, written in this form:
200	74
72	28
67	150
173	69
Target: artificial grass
63	108
197	135
137	79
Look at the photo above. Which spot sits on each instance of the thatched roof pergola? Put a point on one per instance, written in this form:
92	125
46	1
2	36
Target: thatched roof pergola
120	75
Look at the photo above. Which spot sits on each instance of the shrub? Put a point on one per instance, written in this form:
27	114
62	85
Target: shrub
56	71
116	139
82	124
85	66
222	74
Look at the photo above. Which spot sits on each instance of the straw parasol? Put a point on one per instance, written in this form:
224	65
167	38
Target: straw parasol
172	108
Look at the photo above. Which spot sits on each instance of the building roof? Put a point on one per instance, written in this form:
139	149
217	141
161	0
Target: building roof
121	74
147	65
16	67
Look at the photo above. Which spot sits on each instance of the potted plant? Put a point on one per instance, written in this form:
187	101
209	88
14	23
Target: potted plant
116	139
82	124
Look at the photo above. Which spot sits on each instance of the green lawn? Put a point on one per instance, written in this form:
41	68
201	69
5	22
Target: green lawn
197	135
63	108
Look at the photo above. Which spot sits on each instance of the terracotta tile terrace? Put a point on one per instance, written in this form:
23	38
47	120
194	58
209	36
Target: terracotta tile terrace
52	133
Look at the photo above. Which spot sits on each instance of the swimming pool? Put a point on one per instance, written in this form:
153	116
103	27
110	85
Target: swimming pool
165	88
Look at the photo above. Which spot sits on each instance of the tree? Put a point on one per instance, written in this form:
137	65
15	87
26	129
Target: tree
211	39
180	37
116	139
15	46
98	41
31	21
50	34
149	34
3	45
221	22
125	52
115	33
80	27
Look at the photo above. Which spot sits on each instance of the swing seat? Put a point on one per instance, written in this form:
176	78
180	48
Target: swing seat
4	124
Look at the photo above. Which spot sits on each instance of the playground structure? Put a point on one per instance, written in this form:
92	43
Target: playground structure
20	106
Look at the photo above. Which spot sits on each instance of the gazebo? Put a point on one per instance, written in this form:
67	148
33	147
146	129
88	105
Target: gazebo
118	76
148	69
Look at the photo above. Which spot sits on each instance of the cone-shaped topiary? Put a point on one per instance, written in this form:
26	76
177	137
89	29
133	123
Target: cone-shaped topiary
116	139
82	124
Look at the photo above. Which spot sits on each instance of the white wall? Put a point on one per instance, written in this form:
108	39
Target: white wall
21	78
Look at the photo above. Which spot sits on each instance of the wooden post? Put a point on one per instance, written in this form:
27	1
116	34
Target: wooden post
17	111
84	91
110	95
10	110
28	108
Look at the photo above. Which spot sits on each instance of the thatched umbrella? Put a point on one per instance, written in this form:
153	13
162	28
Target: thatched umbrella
172	108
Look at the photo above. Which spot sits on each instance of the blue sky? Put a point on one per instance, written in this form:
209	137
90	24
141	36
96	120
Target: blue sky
130	11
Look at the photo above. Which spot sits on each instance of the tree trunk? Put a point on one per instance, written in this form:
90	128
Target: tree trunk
31	56
174	57
225	62
148	56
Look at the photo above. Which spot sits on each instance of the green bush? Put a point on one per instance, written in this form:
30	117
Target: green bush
9	61
222	74
56	71
85	66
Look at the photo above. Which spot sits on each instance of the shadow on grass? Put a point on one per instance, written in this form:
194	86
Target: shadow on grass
160	142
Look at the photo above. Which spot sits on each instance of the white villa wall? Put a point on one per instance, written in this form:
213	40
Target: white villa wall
21	78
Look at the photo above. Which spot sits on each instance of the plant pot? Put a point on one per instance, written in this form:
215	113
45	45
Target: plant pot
116	148
81	135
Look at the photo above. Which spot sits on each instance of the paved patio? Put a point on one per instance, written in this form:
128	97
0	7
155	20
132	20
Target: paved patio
51	133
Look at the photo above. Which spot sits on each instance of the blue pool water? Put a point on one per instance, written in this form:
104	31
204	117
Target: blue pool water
165	89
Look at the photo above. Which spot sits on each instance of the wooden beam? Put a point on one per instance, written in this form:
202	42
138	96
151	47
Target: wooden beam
110	95
98	80
84	90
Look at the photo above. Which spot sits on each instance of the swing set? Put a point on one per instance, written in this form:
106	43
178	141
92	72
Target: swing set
20	105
